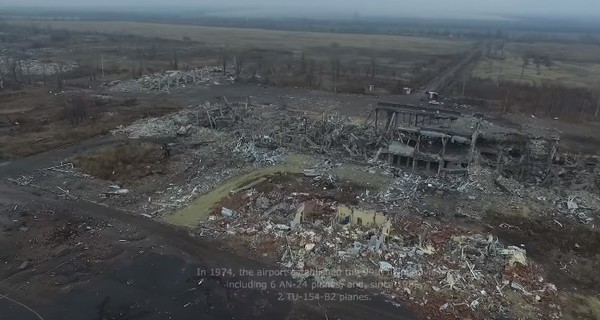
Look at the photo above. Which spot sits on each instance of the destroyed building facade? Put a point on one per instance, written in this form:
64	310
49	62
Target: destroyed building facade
444	141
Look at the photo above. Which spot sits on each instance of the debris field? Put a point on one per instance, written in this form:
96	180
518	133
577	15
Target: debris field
413	211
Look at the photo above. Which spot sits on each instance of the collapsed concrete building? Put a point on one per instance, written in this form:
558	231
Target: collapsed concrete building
443	141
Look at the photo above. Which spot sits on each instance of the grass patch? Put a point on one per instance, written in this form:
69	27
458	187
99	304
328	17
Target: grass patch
572	65
126	162
354	174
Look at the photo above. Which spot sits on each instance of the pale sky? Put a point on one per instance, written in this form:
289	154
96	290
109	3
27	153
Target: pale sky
424	8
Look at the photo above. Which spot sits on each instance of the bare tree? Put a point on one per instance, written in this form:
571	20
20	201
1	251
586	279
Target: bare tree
91	68
525	63
140	55
76	107
175	62
505	108
58	71
20	64
152	50
28	68
373	67
44	73
238	62
597	102
277	71
259	66
223	57
335	71
101	68
11	64
303	63
311	77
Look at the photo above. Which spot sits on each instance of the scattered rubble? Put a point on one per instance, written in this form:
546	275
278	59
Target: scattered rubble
403	255
338	233
168	80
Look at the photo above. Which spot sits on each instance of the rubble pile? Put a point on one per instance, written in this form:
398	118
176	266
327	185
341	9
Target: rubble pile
264	127
335	131
165	81
408	188
333	135
263	134
404	257
184	123
260	157
578	172
26	63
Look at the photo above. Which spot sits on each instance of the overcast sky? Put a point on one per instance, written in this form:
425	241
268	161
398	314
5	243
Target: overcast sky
425	8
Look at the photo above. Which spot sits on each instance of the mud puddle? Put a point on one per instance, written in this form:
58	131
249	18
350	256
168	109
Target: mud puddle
201	208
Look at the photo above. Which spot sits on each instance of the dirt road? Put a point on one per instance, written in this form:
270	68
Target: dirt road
443	80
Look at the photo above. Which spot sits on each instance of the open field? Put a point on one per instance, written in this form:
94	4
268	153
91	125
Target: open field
568	64
256	38
37	121
282	58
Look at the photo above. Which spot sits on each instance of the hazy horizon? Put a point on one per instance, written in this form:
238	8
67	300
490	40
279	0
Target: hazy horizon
464	9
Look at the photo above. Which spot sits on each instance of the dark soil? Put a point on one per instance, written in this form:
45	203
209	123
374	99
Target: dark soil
570	253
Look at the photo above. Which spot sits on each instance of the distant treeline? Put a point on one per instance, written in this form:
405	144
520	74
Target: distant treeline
515	28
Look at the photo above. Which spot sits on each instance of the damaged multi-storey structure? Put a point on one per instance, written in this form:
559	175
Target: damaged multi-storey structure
443	141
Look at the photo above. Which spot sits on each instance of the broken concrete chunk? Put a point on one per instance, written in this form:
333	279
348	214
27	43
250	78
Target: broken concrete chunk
228	212
572	205
309	247
507	185
282	227
184	130
120	191
24	265
428	250
519	287
515	255
385	266
410	271
356	248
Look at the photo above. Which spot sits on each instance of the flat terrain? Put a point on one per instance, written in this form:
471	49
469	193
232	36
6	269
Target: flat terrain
570	64
35	121
258	38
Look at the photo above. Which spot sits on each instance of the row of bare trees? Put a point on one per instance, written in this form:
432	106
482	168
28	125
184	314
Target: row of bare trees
547	99
331	71
16	70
